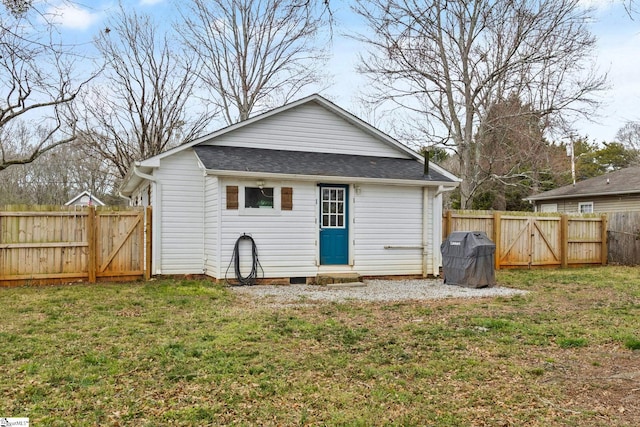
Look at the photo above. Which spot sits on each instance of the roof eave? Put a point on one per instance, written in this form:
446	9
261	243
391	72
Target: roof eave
133	180
332	178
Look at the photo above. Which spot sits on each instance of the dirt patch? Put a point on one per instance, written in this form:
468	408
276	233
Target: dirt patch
604	382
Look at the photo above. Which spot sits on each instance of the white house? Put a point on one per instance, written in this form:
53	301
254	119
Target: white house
84	199
319	191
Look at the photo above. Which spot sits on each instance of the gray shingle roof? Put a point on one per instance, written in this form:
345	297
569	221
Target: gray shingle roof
310	163
623	181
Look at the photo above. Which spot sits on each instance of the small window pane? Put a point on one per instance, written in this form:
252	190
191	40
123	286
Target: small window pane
586	207
255	197
333	208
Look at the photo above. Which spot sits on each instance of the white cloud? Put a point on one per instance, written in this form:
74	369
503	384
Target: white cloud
72	16
150	2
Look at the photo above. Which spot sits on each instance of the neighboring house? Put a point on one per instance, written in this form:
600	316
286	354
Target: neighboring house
84	199
319	190
617	191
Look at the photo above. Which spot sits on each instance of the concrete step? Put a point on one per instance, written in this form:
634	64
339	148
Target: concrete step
337	278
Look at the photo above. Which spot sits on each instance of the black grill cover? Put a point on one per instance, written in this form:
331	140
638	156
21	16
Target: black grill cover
468	259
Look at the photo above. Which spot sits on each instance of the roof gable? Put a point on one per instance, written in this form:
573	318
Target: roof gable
310	127
402	149
371	141
85	198
623	181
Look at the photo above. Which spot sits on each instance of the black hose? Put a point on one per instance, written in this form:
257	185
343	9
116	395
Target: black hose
251	278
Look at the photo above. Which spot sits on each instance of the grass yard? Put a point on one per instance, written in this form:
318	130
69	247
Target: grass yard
193	353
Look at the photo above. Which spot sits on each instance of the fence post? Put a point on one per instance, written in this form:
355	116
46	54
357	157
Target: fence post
604	249
497	236
564	240
92	240
148	245
448	225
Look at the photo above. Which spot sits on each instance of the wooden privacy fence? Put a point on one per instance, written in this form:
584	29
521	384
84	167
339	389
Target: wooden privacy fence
48	245
536	240
624	238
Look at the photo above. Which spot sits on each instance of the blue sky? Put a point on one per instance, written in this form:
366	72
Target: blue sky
618	54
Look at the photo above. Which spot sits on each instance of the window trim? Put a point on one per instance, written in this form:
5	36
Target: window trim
336	214
584	204
265	197
277	200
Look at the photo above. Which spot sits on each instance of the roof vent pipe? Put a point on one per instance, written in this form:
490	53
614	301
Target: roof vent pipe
426	161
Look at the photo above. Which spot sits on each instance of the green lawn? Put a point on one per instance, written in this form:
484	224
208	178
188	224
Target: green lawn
192	353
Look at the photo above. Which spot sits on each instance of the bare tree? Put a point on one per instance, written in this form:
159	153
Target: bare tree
631	7
55	177
448	62
144	105
17	7
37	83
512	147
516	160
256	54
629	135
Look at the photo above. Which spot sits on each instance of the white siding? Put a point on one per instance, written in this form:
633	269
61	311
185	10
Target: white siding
286	240
308	127
388	216
181	227
211	229
197	232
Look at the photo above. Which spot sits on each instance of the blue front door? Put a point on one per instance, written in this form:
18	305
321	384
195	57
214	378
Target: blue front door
334	228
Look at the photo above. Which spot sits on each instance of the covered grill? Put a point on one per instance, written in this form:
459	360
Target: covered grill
468	259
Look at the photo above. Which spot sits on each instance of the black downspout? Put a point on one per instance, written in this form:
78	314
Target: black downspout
426	162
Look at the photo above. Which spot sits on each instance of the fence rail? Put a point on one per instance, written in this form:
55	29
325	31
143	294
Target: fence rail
48	245
536	240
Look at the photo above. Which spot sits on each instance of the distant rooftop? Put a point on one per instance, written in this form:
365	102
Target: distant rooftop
623	181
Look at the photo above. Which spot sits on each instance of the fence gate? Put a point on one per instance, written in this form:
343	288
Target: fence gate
529	241
536	239
119	245
49	245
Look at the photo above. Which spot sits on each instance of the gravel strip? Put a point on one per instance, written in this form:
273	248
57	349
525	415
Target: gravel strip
375	290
